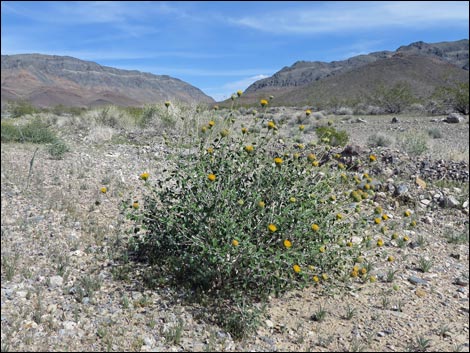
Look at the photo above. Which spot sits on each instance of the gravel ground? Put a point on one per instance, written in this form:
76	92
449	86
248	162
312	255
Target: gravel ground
63	289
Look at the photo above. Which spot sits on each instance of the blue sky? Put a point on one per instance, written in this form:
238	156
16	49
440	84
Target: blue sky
221	47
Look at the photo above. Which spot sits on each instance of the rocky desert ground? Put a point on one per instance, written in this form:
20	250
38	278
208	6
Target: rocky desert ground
67	285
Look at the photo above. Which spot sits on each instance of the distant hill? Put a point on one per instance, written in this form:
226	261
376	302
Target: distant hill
424	66
49	80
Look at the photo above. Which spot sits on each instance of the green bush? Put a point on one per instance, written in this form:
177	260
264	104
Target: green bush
394	99
20	108
414	143
240	220
379	139
331	136
34	131
57	149
455	97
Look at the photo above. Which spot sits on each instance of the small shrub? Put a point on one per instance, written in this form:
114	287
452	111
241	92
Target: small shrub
331	136
57	149
21	108
379	139
34	131
414	143
435	133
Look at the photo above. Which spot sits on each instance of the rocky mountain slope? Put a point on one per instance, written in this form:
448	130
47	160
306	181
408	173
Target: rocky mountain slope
425	66
46	80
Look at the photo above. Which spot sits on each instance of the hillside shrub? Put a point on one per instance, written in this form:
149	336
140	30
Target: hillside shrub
21	108
379	139
394	99
455	98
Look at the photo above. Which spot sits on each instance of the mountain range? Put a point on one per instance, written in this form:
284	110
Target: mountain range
422	65
49	80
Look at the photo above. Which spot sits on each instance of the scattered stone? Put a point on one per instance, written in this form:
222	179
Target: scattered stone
461	282
453	118
449	202
395	120
416	280
401	190
420	293
420	182
56	281
269	323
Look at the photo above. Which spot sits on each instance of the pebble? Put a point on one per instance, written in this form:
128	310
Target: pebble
420	293
56	281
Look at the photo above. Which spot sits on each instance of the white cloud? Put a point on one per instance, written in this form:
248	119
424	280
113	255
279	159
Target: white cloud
334	17
229	88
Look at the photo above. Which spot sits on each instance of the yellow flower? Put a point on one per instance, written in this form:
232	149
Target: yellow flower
315	163
341	166
235	242
413	223
135	205
203	129
372	279
224	133
390	258
216	107
322	249
315	227
406	238
354	273
271	125
210	150
372	158
244	130
316	279
249	148
278	161
332	197
378	210
308	112
395	236
385	217
241	202
367	186
296	155
239	93
263	102
144	176
377	220
300	146
360	259
311	157
104	189
349	244
167	104
380	242
261	204
301	127
296	268
407	213
311	267
363	270
211	123
211	177
339	216
324	276
287	244
292	199
272	228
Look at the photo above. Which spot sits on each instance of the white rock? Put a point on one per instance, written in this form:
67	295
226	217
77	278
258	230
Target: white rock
56	281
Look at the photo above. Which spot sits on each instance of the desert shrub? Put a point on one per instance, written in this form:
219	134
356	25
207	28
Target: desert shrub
240	218
344	111
57	149
21	108
379	139
414	143
34	131
331	136
435	133
454	97
394	99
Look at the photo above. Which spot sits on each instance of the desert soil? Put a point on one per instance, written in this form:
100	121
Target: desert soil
60	234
